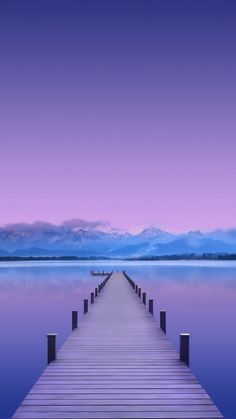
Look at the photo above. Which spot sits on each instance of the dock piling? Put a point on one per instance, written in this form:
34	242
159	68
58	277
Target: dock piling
144	298
184	348
74	319
51	347
92	297
150	306
85	306
163	320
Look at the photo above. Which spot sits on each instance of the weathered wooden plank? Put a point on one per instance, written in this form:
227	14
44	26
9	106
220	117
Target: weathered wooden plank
73	399
120	408
152	407
132	382
115	369
116	387
116	394
117	415
112	374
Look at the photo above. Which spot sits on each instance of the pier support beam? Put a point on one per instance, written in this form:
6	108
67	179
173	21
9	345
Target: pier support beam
163	320
85	306
74	319
51	347
184	348
92	297
150	306
144	298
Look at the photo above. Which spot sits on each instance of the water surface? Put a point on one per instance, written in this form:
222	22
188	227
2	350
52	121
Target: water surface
37	298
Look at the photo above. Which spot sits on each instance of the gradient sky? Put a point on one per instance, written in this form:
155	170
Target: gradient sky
120	110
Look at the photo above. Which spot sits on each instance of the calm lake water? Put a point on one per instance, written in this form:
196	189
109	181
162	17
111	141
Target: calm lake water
37	298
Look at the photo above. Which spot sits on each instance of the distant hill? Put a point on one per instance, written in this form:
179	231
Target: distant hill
4	253
83	238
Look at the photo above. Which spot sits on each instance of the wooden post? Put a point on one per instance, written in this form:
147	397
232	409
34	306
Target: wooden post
144	298
99	288
74	319
92	297
136	289
163	320
85	306
51	347
139	292
150	306
96	292
184	348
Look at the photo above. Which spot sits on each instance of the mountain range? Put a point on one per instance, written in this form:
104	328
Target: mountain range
78	237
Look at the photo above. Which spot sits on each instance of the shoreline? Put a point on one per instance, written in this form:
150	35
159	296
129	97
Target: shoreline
182	257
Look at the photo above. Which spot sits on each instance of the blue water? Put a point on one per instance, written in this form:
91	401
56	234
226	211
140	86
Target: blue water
37	298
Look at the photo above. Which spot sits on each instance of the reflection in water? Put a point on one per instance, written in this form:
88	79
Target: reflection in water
37	298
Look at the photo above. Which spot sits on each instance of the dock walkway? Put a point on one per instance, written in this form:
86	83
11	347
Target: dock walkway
117	364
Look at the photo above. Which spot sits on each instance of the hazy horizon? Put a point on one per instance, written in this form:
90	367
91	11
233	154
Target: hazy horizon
106	226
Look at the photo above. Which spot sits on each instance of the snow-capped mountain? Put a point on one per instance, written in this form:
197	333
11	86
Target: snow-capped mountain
84	238
155	234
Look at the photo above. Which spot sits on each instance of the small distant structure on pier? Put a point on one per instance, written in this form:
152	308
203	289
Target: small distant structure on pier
100	273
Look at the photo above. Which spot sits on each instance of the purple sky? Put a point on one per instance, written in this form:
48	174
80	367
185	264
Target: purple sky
121	111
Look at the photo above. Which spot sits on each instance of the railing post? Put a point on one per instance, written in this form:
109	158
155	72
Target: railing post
184	348
51	347
139	292
163	320
92	297
74	319
150	306
85	306
144	298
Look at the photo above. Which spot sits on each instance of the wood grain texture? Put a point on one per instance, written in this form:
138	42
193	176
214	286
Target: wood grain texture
117	364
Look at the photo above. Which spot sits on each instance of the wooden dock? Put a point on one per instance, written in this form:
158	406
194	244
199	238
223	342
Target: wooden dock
117	364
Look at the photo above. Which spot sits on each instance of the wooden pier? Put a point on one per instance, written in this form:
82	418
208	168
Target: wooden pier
117	364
